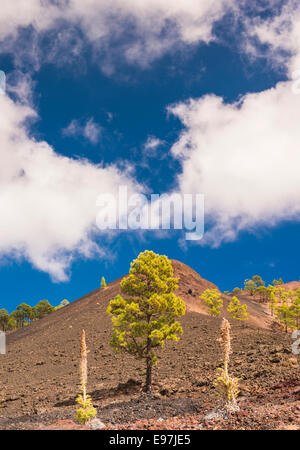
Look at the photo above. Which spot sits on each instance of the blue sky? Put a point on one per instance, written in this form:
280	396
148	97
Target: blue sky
100	99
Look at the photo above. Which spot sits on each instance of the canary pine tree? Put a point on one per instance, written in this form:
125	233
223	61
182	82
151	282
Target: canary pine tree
295	310
212	299
146	316
272	302
284	315
236	310
103	283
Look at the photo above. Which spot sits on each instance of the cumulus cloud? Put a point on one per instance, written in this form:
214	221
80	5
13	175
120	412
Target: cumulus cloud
140	30
279	33
244	157
48	202
90	130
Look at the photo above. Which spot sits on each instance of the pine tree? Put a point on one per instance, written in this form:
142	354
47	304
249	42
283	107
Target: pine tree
277	282
42	309
4	319
103	283
258	281
272	302
212	299
145	318
86	411
250	287
236	310
295	311
284	315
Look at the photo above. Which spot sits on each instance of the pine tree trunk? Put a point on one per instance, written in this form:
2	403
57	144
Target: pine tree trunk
148	387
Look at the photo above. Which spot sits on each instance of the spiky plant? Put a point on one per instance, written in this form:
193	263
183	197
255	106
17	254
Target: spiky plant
227	387
86	411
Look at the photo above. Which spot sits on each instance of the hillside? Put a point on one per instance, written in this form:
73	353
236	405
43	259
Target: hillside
39	373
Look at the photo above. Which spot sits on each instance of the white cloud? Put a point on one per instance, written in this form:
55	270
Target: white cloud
143	30
280	33
90	130
153	142
244	157
47	201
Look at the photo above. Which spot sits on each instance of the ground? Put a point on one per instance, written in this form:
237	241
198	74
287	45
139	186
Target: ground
39	378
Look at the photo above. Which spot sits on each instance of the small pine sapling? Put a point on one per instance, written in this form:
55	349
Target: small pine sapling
227	388
103	283
212	299
237	311
86	411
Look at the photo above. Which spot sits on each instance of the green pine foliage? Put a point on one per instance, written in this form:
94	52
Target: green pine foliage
86	411
272	302
212	299
144	316
284	315
236	310
103	283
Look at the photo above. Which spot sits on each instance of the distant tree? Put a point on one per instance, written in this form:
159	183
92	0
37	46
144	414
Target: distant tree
146	317
62	304
258	280
26	314
277	282
212	299
103	283
236	291
263	293
272	302
19	317
42	309
284	315
282	294
236	310
4	319
295	311
250	287
12	323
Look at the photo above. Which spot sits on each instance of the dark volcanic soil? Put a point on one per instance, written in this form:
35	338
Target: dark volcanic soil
39	374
